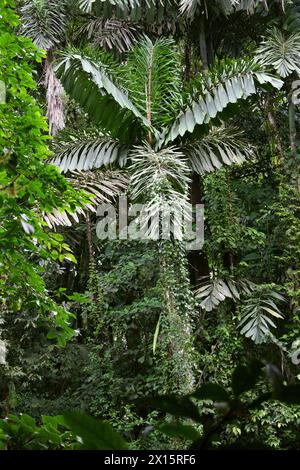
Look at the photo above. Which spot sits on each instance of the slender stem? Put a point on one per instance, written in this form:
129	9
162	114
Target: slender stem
89	237
203	45
149	94
293	130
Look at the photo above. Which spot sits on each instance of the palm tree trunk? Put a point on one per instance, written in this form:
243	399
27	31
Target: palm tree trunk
293	129
203	45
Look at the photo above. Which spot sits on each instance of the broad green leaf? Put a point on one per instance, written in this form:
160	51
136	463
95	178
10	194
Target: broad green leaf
211	391
244	378
95	434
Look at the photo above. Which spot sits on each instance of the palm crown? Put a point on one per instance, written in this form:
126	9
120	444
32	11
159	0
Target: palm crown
145	104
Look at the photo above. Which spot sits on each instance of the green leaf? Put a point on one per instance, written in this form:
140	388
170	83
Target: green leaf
211	391
244	378
95	435
176	406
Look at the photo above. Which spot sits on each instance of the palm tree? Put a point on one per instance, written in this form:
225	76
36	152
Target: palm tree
145	103
160	130
45	22
280	50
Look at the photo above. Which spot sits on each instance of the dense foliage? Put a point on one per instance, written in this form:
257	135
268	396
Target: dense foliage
147	344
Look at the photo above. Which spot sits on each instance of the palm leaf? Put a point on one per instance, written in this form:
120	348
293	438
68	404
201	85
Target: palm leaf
87	153
190	7
213	291
280	51
100	187
258	312
44	21
107	104
87	5
160	181
227	82
153	79
111	34
222	146
153	13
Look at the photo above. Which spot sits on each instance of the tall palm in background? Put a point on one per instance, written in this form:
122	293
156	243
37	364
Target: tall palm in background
46	22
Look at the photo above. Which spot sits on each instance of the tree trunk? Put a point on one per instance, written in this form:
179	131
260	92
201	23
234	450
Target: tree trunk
203	45
293	130
198	262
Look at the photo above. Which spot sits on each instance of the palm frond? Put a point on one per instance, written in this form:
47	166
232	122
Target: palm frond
111	34
258	312
280	51
88	152
100	187
222	146
213	291
189	8
44	21
107	104
153	172
228	82
153	79
160	181
251	5
157	15
87	5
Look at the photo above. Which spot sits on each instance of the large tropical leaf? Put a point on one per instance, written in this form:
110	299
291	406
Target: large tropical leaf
222	146
102	185
190	7
251	5
111	34
149	12
153	79
258	313
280	51
87	153
99	186
227	82
44	21
213	291
160	181
87	5
107	104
